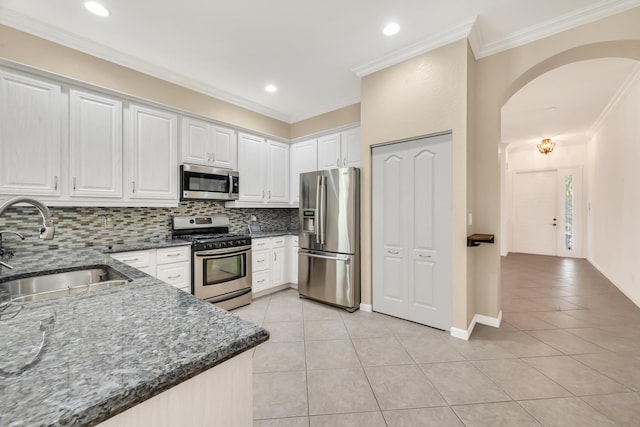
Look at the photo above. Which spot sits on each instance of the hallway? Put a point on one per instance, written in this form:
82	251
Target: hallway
567	354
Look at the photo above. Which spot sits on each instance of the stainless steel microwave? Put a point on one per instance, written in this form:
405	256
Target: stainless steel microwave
207	183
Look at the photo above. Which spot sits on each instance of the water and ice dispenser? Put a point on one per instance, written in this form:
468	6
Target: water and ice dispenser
309	221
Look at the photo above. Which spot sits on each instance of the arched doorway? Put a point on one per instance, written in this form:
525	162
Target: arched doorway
544	199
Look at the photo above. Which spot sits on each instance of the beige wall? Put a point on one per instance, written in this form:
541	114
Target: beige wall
35	52
498	77
334	119
422	96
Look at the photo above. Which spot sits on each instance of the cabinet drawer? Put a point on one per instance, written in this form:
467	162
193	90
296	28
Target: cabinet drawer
178	274
261	281
135	259
260	260
258	244
277	242
174	254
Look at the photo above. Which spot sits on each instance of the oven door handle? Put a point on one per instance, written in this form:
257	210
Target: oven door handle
229	296
221	252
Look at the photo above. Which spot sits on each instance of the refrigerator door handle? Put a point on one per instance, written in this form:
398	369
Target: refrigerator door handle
323	205
336	257
318	187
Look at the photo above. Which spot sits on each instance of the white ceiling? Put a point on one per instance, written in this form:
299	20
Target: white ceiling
565	103
315	52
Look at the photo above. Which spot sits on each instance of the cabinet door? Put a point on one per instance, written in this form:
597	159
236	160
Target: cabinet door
177	274
95	145
278	269
260	281
30	116
196	142
225	148
329	152
278	191
293	259
304	158
153	154
351	148
252	154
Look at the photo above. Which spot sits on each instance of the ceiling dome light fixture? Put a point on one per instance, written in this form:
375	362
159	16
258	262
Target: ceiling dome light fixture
96	8
546	146
391	28
270	88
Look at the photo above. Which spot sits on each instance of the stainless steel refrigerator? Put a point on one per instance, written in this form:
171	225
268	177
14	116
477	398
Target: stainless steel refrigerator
329	254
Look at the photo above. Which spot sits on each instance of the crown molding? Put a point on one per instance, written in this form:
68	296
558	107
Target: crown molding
556	25
345	102
48	32
632	79
455	33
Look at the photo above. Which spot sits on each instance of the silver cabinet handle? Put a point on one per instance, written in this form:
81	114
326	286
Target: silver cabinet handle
260	260
275	256
344	162
74	183
130	259
174	277
133	186
173	255
261	281
55	182
263	194
424	256
338	163
269	194
213	157
393	252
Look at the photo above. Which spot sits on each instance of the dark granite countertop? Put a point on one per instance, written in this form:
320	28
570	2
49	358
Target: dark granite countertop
143	246
108	350
260	234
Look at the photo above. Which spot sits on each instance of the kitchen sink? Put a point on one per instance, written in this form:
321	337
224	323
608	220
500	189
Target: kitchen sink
55	285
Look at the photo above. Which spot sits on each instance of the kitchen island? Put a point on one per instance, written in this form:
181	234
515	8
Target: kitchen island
107	351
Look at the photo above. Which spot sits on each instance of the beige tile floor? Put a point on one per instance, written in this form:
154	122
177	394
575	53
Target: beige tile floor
567	354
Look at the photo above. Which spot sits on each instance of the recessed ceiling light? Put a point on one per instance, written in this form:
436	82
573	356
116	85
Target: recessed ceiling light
391	29
270	88
96	8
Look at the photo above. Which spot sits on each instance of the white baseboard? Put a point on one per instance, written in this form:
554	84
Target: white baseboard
465	334
633	298
366	307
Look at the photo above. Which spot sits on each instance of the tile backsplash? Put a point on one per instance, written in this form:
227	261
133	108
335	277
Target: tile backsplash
78	227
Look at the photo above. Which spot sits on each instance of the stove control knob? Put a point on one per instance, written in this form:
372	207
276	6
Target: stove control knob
223	244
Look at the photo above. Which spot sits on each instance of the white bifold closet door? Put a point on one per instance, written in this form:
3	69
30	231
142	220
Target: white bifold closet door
412	230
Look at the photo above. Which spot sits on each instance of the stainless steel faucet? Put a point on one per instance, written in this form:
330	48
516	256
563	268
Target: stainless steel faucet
48	230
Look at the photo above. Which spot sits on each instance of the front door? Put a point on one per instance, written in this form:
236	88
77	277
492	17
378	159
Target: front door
547	212
412	230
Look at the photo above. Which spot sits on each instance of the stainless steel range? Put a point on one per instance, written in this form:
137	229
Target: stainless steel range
221	266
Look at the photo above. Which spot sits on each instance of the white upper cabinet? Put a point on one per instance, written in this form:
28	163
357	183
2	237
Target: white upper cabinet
350	148
264	170
252	167
278	173
339	150
329	155
304	158
95	145
206	144
152	150
30	142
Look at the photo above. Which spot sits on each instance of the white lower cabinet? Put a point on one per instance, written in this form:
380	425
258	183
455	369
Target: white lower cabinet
171	265
270	264
292	246
279	261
